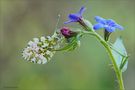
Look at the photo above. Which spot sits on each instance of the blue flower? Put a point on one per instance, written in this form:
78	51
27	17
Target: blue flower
108	24
76	17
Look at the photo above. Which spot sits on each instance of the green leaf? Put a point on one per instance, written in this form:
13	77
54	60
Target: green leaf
120	54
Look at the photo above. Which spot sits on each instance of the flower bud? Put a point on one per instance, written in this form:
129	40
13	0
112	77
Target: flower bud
67	33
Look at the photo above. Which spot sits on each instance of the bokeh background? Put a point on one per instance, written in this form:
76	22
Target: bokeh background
86	68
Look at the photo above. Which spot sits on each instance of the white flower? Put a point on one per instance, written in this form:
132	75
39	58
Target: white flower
40	50
49	53
50	38
39	62
43	39
30	43
45	44
33	60
36	40
44	61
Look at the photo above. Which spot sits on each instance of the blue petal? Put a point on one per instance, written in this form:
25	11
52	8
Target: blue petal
98	26
110	22
82	10
100	19
67	22
119	27
110	29
74	17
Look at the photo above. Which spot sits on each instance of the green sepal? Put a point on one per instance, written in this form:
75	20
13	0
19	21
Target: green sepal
72	43
88	25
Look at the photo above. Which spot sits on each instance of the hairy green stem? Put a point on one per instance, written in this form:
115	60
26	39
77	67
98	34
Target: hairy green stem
116	68
118	72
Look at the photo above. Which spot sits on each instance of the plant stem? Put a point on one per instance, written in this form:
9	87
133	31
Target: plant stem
116	68
109	50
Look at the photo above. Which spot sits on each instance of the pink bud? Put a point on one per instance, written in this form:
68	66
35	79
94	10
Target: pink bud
67	33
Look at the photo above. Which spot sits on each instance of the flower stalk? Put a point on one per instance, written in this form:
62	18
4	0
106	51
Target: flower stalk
118	72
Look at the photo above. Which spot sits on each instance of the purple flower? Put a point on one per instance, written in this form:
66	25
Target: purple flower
76	17
67	33
108	24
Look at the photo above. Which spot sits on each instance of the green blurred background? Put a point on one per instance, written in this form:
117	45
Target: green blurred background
86	68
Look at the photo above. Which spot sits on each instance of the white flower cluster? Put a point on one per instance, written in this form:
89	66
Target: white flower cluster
40	50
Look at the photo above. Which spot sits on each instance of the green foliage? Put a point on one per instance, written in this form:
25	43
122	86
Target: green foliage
72	43
120	54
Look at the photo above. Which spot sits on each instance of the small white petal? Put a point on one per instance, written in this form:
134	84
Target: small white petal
25	56
43	39
55	35
48	52
44	61
45	44
36	40
33	60
36	55
51	54
49	38
41	57
29	54
39	62
30	43
36	49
